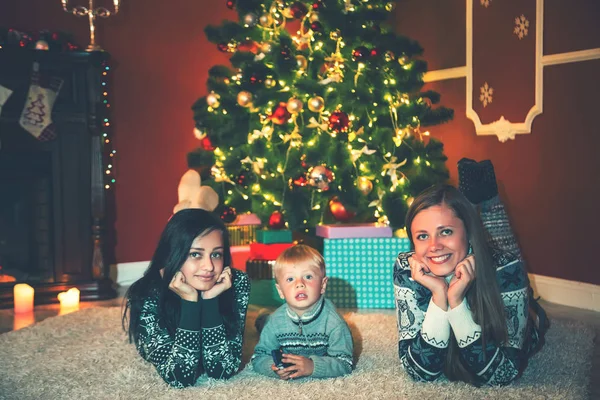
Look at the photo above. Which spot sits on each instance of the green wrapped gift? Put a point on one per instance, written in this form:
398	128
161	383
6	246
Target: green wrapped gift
274	236
360	270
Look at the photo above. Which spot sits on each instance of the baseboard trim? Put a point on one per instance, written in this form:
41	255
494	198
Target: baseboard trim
567	293
124	274
554	290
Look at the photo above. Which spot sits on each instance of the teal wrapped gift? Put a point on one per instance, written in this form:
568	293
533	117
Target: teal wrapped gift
360	270
274	236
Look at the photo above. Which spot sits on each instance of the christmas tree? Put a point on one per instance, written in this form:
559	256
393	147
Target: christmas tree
321	117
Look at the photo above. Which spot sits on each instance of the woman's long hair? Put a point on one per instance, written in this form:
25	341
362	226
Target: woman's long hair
171	253
484	294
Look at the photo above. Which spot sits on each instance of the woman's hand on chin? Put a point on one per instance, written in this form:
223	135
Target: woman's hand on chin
223	283
182	288
464	276
437	285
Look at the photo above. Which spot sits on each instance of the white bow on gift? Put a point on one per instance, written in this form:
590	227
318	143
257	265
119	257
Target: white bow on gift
392	170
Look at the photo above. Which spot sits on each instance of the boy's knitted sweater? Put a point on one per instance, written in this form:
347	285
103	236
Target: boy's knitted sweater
321	334
424	328
201	344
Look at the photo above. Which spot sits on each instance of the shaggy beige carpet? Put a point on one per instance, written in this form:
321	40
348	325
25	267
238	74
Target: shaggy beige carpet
85	355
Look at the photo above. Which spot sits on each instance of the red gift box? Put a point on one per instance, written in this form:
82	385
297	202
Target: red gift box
271	251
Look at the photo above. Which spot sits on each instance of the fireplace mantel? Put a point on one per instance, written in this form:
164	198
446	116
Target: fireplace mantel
75	255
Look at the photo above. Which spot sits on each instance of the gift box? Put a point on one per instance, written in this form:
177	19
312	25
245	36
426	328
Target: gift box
268	251
241	235
354	231
259	269
262	288
239	256
274	236
360	270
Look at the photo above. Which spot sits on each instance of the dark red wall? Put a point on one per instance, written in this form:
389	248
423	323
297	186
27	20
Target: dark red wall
161	60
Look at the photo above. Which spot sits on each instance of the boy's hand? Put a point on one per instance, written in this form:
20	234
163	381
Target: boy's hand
282	373
301	366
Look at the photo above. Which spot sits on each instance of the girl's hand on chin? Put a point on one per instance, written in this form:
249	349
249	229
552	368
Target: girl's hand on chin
464	276
436	285
223	283
182	288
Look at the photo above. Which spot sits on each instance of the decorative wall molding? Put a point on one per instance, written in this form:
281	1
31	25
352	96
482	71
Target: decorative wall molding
555	290
503	128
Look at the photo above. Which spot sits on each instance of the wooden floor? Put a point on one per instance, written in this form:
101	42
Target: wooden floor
9	321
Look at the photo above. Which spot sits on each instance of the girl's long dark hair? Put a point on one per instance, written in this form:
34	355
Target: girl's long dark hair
171	252
484	294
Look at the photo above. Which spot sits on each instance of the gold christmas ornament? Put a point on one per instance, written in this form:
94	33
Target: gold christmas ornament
389	56
266	47
250	19
244	98
316	104
320	177
390	6
294	106
314	17
270	82
301	61
364	184
266	20
403	60
213	100
335	35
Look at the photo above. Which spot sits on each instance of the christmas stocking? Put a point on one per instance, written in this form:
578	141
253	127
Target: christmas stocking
36	116
4	95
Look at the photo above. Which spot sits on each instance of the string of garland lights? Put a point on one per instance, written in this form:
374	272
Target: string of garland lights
324	125
108	151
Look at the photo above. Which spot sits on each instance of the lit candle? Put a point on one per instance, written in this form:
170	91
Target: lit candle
23	298
69	300
22	320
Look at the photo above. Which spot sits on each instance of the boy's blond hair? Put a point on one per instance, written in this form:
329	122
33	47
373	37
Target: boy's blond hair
297	254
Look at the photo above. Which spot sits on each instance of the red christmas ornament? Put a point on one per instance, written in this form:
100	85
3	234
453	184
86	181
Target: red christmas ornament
281	114
361	53
338	210
375	52
248	45
338	121
205	144
300	181
316	27
317	5
230	4
298	10
223	47
276	220
229	214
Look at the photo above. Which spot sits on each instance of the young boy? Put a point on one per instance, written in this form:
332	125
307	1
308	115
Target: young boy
314	339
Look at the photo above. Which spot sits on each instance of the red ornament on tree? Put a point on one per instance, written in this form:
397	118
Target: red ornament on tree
361	53
230	4
317	5
248	45
300	181
375	52
316	27
206	144
276	220
281	114
338	121
298	10
229	214
338	210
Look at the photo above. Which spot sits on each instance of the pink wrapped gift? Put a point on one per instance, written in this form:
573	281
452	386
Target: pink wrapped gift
374	230
246	219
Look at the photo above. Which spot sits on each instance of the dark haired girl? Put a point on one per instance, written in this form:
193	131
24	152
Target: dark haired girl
187	313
